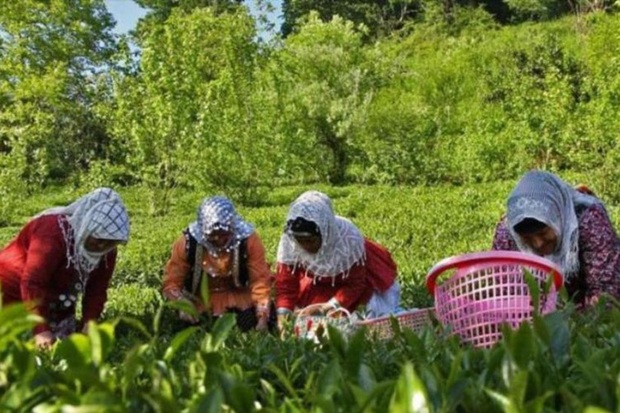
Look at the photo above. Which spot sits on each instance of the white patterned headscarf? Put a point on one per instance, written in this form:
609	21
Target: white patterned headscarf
100	214
218	213
342	243
546	198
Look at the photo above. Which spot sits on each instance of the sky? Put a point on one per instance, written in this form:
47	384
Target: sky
127	13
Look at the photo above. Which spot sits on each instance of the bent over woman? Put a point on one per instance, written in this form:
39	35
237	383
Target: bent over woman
226	250
547	217
61	253
324	258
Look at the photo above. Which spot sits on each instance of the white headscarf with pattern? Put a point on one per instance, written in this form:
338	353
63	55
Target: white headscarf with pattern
215	213
100	214
546	198
342	243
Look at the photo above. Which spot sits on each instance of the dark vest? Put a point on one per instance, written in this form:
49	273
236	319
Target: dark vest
190	249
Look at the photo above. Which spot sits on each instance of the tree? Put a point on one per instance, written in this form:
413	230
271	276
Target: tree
50	55
160	10
324	85
163	8
380	17
188	117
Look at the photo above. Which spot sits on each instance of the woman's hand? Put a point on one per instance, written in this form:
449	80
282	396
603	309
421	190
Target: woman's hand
319	309
262	317
262	324
44	340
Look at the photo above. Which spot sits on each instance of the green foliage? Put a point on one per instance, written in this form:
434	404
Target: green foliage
190	122
597	145
553	81
210	107
324	83
50	55
11	187
381	18
562	362
530	9
160	10
451	99
491	103
139	359
133	300
17	361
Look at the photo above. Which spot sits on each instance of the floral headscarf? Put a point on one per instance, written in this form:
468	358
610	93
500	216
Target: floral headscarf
546	198
218	213
100	214
342	243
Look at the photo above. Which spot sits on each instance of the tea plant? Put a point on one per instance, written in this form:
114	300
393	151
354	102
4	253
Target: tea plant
142	359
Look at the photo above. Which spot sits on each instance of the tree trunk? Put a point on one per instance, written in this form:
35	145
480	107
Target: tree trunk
328	137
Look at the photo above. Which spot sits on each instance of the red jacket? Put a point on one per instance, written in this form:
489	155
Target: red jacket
33	269
297	288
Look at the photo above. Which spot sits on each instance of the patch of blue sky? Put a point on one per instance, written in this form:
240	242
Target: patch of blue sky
127	13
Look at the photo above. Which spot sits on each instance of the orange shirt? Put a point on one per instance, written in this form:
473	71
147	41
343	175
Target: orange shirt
257	293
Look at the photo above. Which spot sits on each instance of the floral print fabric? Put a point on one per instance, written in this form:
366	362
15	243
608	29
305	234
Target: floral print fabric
599	255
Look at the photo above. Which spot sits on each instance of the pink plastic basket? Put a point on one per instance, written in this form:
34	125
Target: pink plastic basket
381	327
479	292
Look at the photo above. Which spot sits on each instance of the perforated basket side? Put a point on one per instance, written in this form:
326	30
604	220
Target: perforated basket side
381	327
476	304
488	290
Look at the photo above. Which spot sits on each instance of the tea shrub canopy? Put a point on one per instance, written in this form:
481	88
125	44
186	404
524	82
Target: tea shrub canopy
141	359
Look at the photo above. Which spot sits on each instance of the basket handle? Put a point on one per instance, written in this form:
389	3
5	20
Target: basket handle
303	312
335	311
309	308
506	257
